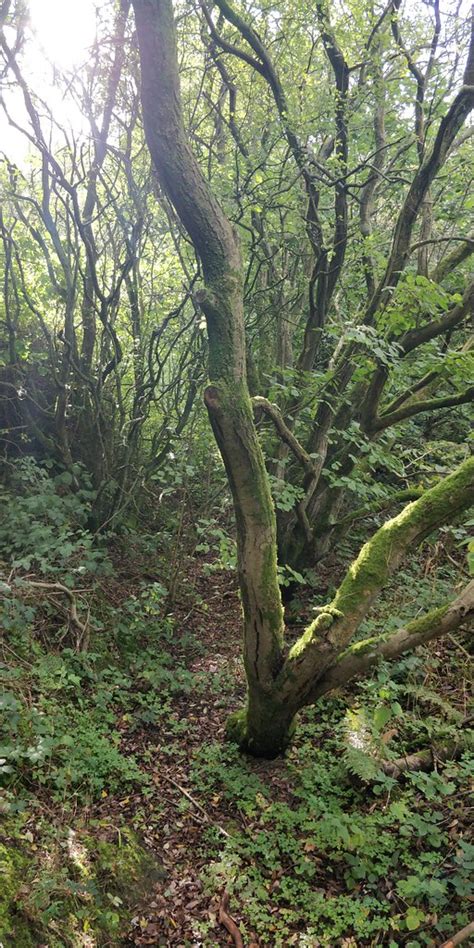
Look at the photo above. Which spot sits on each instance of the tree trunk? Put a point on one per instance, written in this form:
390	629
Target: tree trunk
227	397
264	728
277	688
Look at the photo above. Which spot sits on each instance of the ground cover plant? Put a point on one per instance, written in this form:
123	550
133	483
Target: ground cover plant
126	816
323	846
236	473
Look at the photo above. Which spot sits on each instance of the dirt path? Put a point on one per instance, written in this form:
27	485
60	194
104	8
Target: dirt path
174	820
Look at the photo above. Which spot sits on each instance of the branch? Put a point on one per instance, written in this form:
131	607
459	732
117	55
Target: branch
359	659
444	240
266	68
332	629
411	493
412	390
429	404
229	47
423	760
178	170
82	628
341	76
454	258
286	435
228	922
417	337
459	937
382	554
448	129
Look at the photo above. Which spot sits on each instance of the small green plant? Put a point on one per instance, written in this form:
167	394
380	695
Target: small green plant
44	523
213	539
318	851
70	751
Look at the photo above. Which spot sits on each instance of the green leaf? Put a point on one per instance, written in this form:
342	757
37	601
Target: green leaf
414	918
382	716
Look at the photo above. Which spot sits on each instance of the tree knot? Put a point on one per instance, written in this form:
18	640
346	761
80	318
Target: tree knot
211	397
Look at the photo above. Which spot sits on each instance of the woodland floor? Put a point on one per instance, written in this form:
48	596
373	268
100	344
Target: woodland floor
222	827
176	836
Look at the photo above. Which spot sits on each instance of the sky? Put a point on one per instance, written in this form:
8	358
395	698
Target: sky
63	31
64	28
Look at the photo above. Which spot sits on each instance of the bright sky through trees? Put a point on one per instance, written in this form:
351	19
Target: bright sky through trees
61	31
60	34
64	29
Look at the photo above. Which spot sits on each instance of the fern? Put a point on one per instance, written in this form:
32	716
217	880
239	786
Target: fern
425	696
360	748
360	763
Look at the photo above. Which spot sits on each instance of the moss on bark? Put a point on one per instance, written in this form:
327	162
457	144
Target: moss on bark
382	553
263	728
14	927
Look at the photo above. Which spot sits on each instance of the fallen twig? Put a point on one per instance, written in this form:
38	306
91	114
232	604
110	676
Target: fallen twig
81	628
459	937
193	801
426	759
228	922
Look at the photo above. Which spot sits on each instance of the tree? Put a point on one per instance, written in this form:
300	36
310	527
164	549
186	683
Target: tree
323	197
89	354
281	682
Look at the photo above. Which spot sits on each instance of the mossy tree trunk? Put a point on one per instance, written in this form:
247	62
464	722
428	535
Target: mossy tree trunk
227	397
278	685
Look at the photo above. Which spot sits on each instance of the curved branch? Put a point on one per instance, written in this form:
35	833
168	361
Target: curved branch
417	337
411	493
229	47
429	404
334	626
381	555
360	658
266	68
286	435
454	258
448	129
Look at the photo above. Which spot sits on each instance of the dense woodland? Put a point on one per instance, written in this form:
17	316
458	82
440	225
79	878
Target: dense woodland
237	475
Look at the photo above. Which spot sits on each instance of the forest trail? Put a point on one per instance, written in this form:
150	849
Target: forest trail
175	818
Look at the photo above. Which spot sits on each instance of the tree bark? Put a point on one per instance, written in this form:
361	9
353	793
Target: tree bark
227	397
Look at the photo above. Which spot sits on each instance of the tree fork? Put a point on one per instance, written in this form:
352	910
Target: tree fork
276	688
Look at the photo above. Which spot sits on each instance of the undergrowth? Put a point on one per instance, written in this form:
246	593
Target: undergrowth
322	848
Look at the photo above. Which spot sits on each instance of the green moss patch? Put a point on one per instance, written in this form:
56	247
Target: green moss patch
74	888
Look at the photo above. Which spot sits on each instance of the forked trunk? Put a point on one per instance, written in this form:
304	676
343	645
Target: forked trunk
277	686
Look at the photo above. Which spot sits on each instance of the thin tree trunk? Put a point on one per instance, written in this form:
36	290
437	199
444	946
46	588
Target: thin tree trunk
227	397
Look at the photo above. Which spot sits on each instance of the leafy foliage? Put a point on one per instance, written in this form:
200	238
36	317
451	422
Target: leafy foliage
116	510
44	525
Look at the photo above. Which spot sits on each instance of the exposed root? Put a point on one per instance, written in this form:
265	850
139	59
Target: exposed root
228	922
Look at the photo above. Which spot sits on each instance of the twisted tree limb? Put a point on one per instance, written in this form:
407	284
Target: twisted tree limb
358	659
286	435
81	628
321	644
